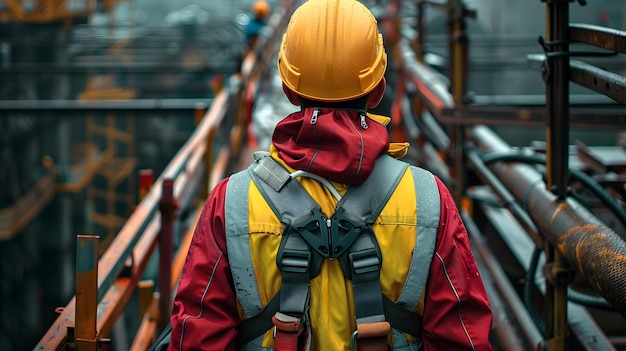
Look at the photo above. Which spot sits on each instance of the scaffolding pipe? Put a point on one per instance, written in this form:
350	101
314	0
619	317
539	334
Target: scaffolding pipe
593	250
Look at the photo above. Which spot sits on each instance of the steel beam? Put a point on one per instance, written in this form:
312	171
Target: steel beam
599	118
601	81
72	106
602	37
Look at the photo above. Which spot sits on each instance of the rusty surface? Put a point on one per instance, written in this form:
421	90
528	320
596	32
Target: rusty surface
86	287
606	38
593	249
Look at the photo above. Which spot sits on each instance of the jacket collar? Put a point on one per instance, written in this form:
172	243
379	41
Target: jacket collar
340	145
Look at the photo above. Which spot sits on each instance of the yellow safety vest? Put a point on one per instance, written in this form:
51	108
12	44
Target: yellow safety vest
405	230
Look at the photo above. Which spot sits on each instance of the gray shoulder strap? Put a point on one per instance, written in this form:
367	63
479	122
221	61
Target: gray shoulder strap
271	178
236	226
364	201
428	213
368	199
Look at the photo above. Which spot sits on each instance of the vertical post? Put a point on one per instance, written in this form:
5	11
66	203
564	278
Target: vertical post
457	70
556	76
145	292
166	249
199	112
421	31
146	180
86	293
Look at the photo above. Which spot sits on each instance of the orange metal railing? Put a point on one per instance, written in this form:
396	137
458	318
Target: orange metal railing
120	268
106	284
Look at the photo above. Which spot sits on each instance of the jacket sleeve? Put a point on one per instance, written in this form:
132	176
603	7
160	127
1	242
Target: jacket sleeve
457	314
204	313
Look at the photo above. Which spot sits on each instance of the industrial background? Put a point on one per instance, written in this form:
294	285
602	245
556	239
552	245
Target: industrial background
107	105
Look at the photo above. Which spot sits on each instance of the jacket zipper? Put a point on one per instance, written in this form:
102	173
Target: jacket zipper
313	121
316	113
363	121
330	238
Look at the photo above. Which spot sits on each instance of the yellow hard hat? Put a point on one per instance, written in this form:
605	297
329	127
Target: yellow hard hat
261	9
332	51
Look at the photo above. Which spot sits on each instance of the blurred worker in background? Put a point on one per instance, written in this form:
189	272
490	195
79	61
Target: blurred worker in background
261	12
402	276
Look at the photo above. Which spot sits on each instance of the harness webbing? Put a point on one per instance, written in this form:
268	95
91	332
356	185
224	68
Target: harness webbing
400	318
349	239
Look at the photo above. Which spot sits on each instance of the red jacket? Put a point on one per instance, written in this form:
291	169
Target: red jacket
457	315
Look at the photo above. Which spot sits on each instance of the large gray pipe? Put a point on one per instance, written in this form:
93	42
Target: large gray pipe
594	250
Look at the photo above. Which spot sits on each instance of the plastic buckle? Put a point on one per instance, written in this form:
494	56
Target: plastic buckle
345	231
295	261
365	261
287	323
311	231
373	330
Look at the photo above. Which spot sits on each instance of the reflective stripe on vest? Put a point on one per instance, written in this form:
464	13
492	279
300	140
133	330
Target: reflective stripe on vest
428	207
237	243
236	217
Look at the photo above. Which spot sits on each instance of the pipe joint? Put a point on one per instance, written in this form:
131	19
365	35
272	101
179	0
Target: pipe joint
559	275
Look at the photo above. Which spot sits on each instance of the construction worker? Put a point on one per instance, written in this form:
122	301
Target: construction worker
329	242
261	12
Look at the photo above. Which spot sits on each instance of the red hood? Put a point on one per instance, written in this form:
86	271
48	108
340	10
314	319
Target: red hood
335	145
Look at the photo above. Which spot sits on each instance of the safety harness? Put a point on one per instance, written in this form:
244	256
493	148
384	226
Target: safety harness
309	237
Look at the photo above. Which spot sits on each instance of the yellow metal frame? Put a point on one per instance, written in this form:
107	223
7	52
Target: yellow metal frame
16	217
43	11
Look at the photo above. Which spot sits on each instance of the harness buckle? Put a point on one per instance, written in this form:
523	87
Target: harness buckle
373	334
290	332
365	261
286	323
295	261
344	231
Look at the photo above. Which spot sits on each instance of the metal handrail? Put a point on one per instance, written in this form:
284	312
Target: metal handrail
193	170
122	264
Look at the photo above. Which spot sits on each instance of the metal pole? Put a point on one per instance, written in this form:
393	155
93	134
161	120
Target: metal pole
458	49
556	76
166	249
86	292
146	180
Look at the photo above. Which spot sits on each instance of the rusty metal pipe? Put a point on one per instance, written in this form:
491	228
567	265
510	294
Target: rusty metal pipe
593	250
432	86
505	196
